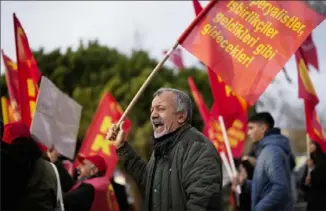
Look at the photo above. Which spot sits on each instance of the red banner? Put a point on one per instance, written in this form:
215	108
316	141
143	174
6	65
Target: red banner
112	199
11	74
176	58
7	112
24	52
309	52
314	126
243	41
308	94
204	112
94	142
28	74
236	134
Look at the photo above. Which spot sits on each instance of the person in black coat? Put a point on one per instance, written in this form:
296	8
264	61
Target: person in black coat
314	182
27	181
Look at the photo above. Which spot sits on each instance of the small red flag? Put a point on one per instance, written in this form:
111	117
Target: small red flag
28	75
204	112
24	52
308	94
243	42
236	134
309	52
7	111
11	74
94	142
176	58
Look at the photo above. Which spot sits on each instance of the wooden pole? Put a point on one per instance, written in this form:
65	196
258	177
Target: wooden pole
146	83
228	150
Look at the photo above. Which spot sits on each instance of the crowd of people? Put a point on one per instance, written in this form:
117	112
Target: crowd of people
183	173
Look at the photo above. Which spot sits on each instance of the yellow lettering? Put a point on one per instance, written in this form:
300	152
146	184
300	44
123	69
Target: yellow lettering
233	142
32	106
305	78
12	65
236	134
100	143
228	91
237	124
106	124
31	88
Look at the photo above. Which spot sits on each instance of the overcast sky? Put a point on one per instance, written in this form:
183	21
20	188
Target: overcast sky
61	24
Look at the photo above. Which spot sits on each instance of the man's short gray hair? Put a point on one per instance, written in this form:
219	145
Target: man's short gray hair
183	102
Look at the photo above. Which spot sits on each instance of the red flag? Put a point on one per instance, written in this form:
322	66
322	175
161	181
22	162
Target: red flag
309	52
204	112
27	75
24	52
236	134
243	42
227	103
112	199
11	74
308	94
176	58
7	112
197	7
94	142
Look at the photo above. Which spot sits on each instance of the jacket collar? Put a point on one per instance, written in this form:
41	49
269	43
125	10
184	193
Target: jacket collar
165	143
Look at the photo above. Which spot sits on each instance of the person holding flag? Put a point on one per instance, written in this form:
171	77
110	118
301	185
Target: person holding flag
185	170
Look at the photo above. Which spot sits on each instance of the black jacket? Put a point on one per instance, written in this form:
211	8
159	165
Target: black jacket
81	198
184	172
315	194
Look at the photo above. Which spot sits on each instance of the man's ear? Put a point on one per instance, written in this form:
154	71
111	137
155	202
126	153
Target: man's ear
182	117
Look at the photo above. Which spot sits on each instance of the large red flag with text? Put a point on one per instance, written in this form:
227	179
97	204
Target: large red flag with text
108	112
227	103
308	94
243	41
11	74
28	74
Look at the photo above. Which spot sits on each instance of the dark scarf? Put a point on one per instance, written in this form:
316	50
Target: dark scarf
164	144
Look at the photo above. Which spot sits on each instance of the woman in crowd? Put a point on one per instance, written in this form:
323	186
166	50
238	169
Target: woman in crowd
314	184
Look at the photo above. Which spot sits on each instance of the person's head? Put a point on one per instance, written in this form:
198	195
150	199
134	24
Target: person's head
258	125
91	166
20	143
316	153
171	109
1	130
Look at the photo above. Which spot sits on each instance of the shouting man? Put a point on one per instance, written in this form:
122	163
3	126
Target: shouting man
185	170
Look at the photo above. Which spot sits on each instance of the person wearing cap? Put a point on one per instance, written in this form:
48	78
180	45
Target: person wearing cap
89	192
28	182
185	170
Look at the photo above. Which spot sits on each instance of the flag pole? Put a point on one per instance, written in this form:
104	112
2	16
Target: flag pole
182	37
307	145
226	164
146	83
228	149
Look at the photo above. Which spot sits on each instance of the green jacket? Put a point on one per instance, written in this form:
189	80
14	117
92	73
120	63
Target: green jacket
184	172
